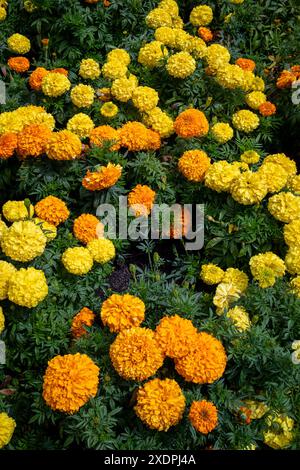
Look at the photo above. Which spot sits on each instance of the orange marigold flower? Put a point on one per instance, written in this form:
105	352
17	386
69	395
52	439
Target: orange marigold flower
141	200
194	164
87	227
120	312
191	123
36	78
8	144
103	178
135	354
205	34
267	109
84	318
70	381
160	404
205	363
102	134
153	140
285	79
18	64
52	210
176	336
246	64
136	137
203	416
61	70
64	145
33	139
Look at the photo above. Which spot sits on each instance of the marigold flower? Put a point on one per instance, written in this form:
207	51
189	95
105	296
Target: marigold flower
160	404
281	159
257	408
203	416
123	88
69	382
102	250
170	6
274	175
82	96
226	294
245	121
8	145
7	427
120	312
109	109
193	164
250	188
52	210
144	98
18	44
166	35
211	274
181	65
222	132
236	277
176	336
64	145
255	99
141	199
250	157
279	432
3	228
33	140
292	259
294	184
286	79
89	69
284	207
152	54
80	124
291	233
49	230
55	84
87	228
230	76
14	211
103	178
83	318
205	34
77	260
295	284
266	267
246	64
135	354
36	78
18	64
6	272
267	109
217	56
201	15
27	287
205	363
23	241
158	17
3	13
119	55
191	123
159	121
114	69
221	175
239	317
136	137
101	134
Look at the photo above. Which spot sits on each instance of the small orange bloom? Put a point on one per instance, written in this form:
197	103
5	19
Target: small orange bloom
285	79
245	414
205	34
36	78
203	416
103	178
246	64
84	318
61	70
33	139
106	3
87	227
267	109
191	123
45	42
141	200
8	144
18	64
102	134
52	210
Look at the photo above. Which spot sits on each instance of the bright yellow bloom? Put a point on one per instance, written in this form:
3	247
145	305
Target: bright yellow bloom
291	233
152	54
294	184
239	317
166	35
170	6
81	125
181	65
102	250
250	188
23	241
55	84
3	228
6	272
295	284
266	267
14	211
258	409
245	121
119	55
109	110
250	157
2	320
18	44
217	56
121	312
284	207
159	121
274	175
7	427
292	259
201	15
27	287
236	277
122	88
145	98
211	274
226	294
89	69
255	99
279	433
157	18
77	260
222	132
230	76
114	69
3	14
281	159
221	175
49	230
82	96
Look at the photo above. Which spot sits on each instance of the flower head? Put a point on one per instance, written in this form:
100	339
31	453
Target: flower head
221	175
123	88
193	164
6	272
89	69
222	132
136	137
284	207
144	98
87	228
250	157
141	199
226	294
236	277
55	84
14	211
18	64
114	69
191	123
292	259
152	54
23	241
102	134
205	34
77	260
274	175
201	15
8	145
52	209
36	78
82	96
120	312
64	145
279	432
246	64
245	121
181	65
159	121
102	250
267	109
82	319
119	55
27	287
109	109
176	336
103	178
211	274
7	427
80	124
203	416
239	317
33	140
158	17
18	44
250	188
266	267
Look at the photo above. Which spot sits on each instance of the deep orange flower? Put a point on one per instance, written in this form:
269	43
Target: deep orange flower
84	318
8	144
193	164
176	336
120	312
33	139
64	145
141	200
61	70
154	141
205	34
191	123
267	109
203	416
36	78
285	79
246	64
136	137
102	134
87	227
103	178
52	210
296	69
18	64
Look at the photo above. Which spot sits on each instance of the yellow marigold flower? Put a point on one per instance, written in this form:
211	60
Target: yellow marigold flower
102	250
250	157
103	178
18	44
152	54
102	134
217	56
77	260
14	211
258	409
246	64
281	159
166	35
221	175
159	121
222	132
141	199
201	15
145	98
226	294
193	164
6	272
191	123
89	69
158	17
239	317
3	228
160	404
249	188
274	175
7	427
170	6
293	183
23	241
81	125
52	210
230	76
114	69
248	81
197	48
295	284
49	230
82	96
70	381
55	84
181	65
245	121
135	354
84	318
2	320
205	363
122	88
109	109
87	228
36	78
211	274
3	14
258	84
236	277
119	55
32	140
15	121
8	145
292	259
120	312
203	416
255	99
176	336
284	207
18	64
291	233
64	145
27	287
279	432
265	268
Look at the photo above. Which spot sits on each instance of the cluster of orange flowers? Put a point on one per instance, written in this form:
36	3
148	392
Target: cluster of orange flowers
288	77
36	77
